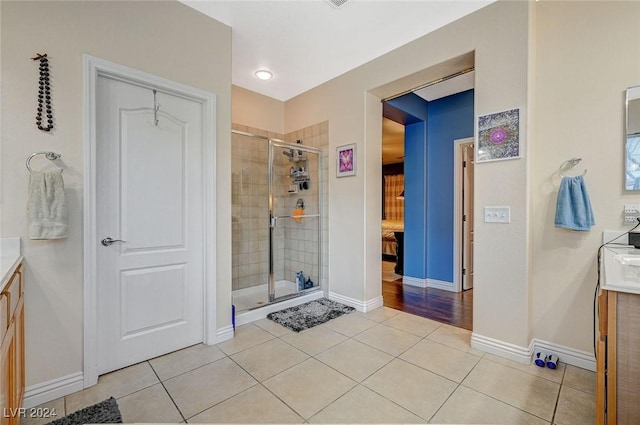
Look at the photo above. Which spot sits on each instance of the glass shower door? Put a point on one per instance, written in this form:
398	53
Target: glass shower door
294	208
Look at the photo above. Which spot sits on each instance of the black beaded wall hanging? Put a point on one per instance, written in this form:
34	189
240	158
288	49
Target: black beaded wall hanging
44	94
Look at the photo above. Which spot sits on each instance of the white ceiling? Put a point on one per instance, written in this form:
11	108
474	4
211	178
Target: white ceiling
308	42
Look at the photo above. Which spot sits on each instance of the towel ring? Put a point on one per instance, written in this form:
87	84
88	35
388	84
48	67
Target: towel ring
572	163
51	156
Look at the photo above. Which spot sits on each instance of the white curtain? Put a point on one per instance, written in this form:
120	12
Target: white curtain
393	207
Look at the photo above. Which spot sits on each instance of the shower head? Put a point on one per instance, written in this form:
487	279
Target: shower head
288	153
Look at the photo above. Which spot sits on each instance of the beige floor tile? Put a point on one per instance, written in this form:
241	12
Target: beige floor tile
554	375
202	388
441	359
272	327
309	387
255	405
361	405
466	406
355	359
390	340
417	390
266	360
415	325
350	324
380	314
454	337
522	390
575	408
178	362
246	336
115	384
152	404
314	340
44	413
580	379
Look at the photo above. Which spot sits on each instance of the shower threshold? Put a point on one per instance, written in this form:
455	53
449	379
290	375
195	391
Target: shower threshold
253	303
257	296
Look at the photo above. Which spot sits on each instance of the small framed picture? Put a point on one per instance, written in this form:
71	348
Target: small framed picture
346	160
499	136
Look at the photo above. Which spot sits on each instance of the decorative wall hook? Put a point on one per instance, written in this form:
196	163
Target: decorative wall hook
156	108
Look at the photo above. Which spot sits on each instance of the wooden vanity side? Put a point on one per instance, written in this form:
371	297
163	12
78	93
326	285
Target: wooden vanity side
601	354
611	369
628	358
12	362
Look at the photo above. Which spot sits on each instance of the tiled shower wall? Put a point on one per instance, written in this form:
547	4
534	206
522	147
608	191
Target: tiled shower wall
296	244
301	241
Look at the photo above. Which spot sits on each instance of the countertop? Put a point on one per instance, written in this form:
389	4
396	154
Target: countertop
618	277
10	258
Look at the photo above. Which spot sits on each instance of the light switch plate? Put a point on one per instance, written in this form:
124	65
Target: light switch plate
497	214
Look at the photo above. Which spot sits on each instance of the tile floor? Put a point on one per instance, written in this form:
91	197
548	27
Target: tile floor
385	366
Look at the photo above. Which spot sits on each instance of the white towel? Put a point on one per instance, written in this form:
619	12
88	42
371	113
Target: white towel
47	206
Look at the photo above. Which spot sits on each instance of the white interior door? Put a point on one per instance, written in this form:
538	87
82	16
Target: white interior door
467	211
150	196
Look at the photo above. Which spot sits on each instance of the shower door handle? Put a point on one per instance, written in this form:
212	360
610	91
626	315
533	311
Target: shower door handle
274	222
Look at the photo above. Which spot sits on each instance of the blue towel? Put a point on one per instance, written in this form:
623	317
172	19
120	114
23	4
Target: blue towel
573	209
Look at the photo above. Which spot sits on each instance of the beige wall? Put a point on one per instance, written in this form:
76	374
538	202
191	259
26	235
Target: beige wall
149	36
256	110
498	35
583	69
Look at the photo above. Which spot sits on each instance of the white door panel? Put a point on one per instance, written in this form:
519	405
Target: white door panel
149	179
153	158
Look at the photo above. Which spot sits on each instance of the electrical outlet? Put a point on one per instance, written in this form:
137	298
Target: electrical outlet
497	214
632	209
630	219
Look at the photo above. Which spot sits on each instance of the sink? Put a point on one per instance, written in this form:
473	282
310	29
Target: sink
622	269
632	260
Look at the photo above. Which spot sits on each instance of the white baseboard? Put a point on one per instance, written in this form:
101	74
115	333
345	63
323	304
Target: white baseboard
568	355
441	284
429	283
363	306
414	281
224	334
500	348
35	395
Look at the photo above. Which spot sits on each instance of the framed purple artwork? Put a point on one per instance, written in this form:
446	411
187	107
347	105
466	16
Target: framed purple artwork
498	136
346	160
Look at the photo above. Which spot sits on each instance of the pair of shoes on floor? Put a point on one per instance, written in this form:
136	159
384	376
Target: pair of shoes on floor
550	360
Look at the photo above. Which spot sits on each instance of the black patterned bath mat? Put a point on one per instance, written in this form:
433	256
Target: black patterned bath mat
308	315
105	412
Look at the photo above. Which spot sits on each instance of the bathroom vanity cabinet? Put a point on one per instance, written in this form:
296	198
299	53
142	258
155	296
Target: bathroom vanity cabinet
12	347
618	358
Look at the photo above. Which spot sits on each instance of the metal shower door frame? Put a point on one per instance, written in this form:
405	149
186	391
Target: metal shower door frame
273	219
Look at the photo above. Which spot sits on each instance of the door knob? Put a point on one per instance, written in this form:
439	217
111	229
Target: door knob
108	241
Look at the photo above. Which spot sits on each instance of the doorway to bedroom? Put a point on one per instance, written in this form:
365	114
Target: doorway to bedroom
425	192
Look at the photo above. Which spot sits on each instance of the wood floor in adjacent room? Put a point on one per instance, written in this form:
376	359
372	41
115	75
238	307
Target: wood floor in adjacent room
453	308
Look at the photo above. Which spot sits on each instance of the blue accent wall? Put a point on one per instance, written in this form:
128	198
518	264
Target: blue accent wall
415	200
412	112
430	129
450	118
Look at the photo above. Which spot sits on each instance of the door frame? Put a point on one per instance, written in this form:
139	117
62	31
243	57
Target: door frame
94	67
457	206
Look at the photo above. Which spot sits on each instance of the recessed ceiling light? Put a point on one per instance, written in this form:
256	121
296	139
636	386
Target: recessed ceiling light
264	74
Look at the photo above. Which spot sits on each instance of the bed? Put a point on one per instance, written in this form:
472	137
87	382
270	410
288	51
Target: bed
388	237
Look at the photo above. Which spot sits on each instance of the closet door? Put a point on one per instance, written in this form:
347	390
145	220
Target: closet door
149	221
